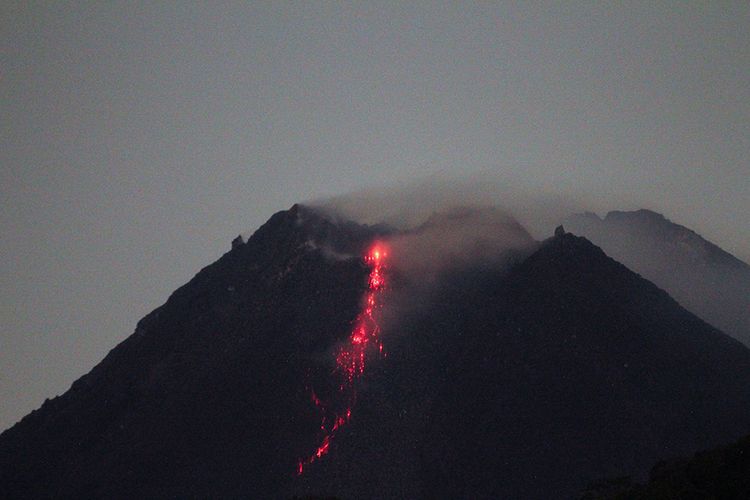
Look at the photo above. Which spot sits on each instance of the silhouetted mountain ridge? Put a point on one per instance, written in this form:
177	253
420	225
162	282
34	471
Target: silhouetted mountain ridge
522	380
703	248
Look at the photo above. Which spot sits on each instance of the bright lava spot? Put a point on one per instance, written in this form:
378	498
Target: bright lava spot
351	358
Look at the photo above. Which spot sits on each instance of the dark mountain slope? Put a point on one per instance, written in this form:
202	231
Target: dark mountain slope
575	365
208	395
704	278
530	383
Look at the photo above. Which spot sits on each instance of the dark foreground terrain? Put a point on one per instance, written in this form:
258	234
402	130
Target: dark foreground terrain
721	473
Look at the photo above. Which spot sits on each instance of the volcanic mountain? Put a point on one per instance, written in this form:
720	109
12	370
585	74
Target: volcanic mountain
705	279
525	376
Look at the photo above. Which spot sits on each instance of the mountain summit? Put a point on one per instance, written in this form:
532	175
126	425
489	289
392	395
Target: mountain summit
521	377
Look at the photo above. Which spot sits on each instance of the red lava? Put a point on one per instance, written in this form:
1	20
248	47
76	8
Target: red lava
351	358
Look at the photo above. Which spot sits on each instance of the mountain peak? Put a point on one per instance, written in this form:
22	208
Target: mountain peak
642	214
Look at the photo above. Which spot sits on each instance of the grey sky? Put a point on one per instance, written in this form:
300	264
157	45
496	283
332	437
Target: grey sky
139	138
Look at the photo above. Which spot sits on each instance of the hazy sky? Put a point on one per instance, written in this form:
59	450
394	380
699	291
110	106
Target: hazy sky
139	138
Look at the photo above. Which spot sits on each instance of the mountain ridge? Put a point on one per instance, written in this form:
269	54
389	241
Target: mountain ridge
706	279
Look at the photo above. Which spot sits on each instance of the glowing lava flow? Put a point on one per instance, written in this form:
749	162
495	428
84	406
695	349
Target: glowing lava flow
351	358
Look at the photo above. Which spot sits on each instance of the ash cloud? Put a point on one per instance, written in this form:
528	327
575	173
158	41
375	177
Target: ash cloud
437	225
442	226
434	226
435	229
406	207
456	238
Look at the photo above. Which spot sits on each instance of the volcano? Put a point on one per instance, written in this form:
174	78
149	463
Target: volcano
526	376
